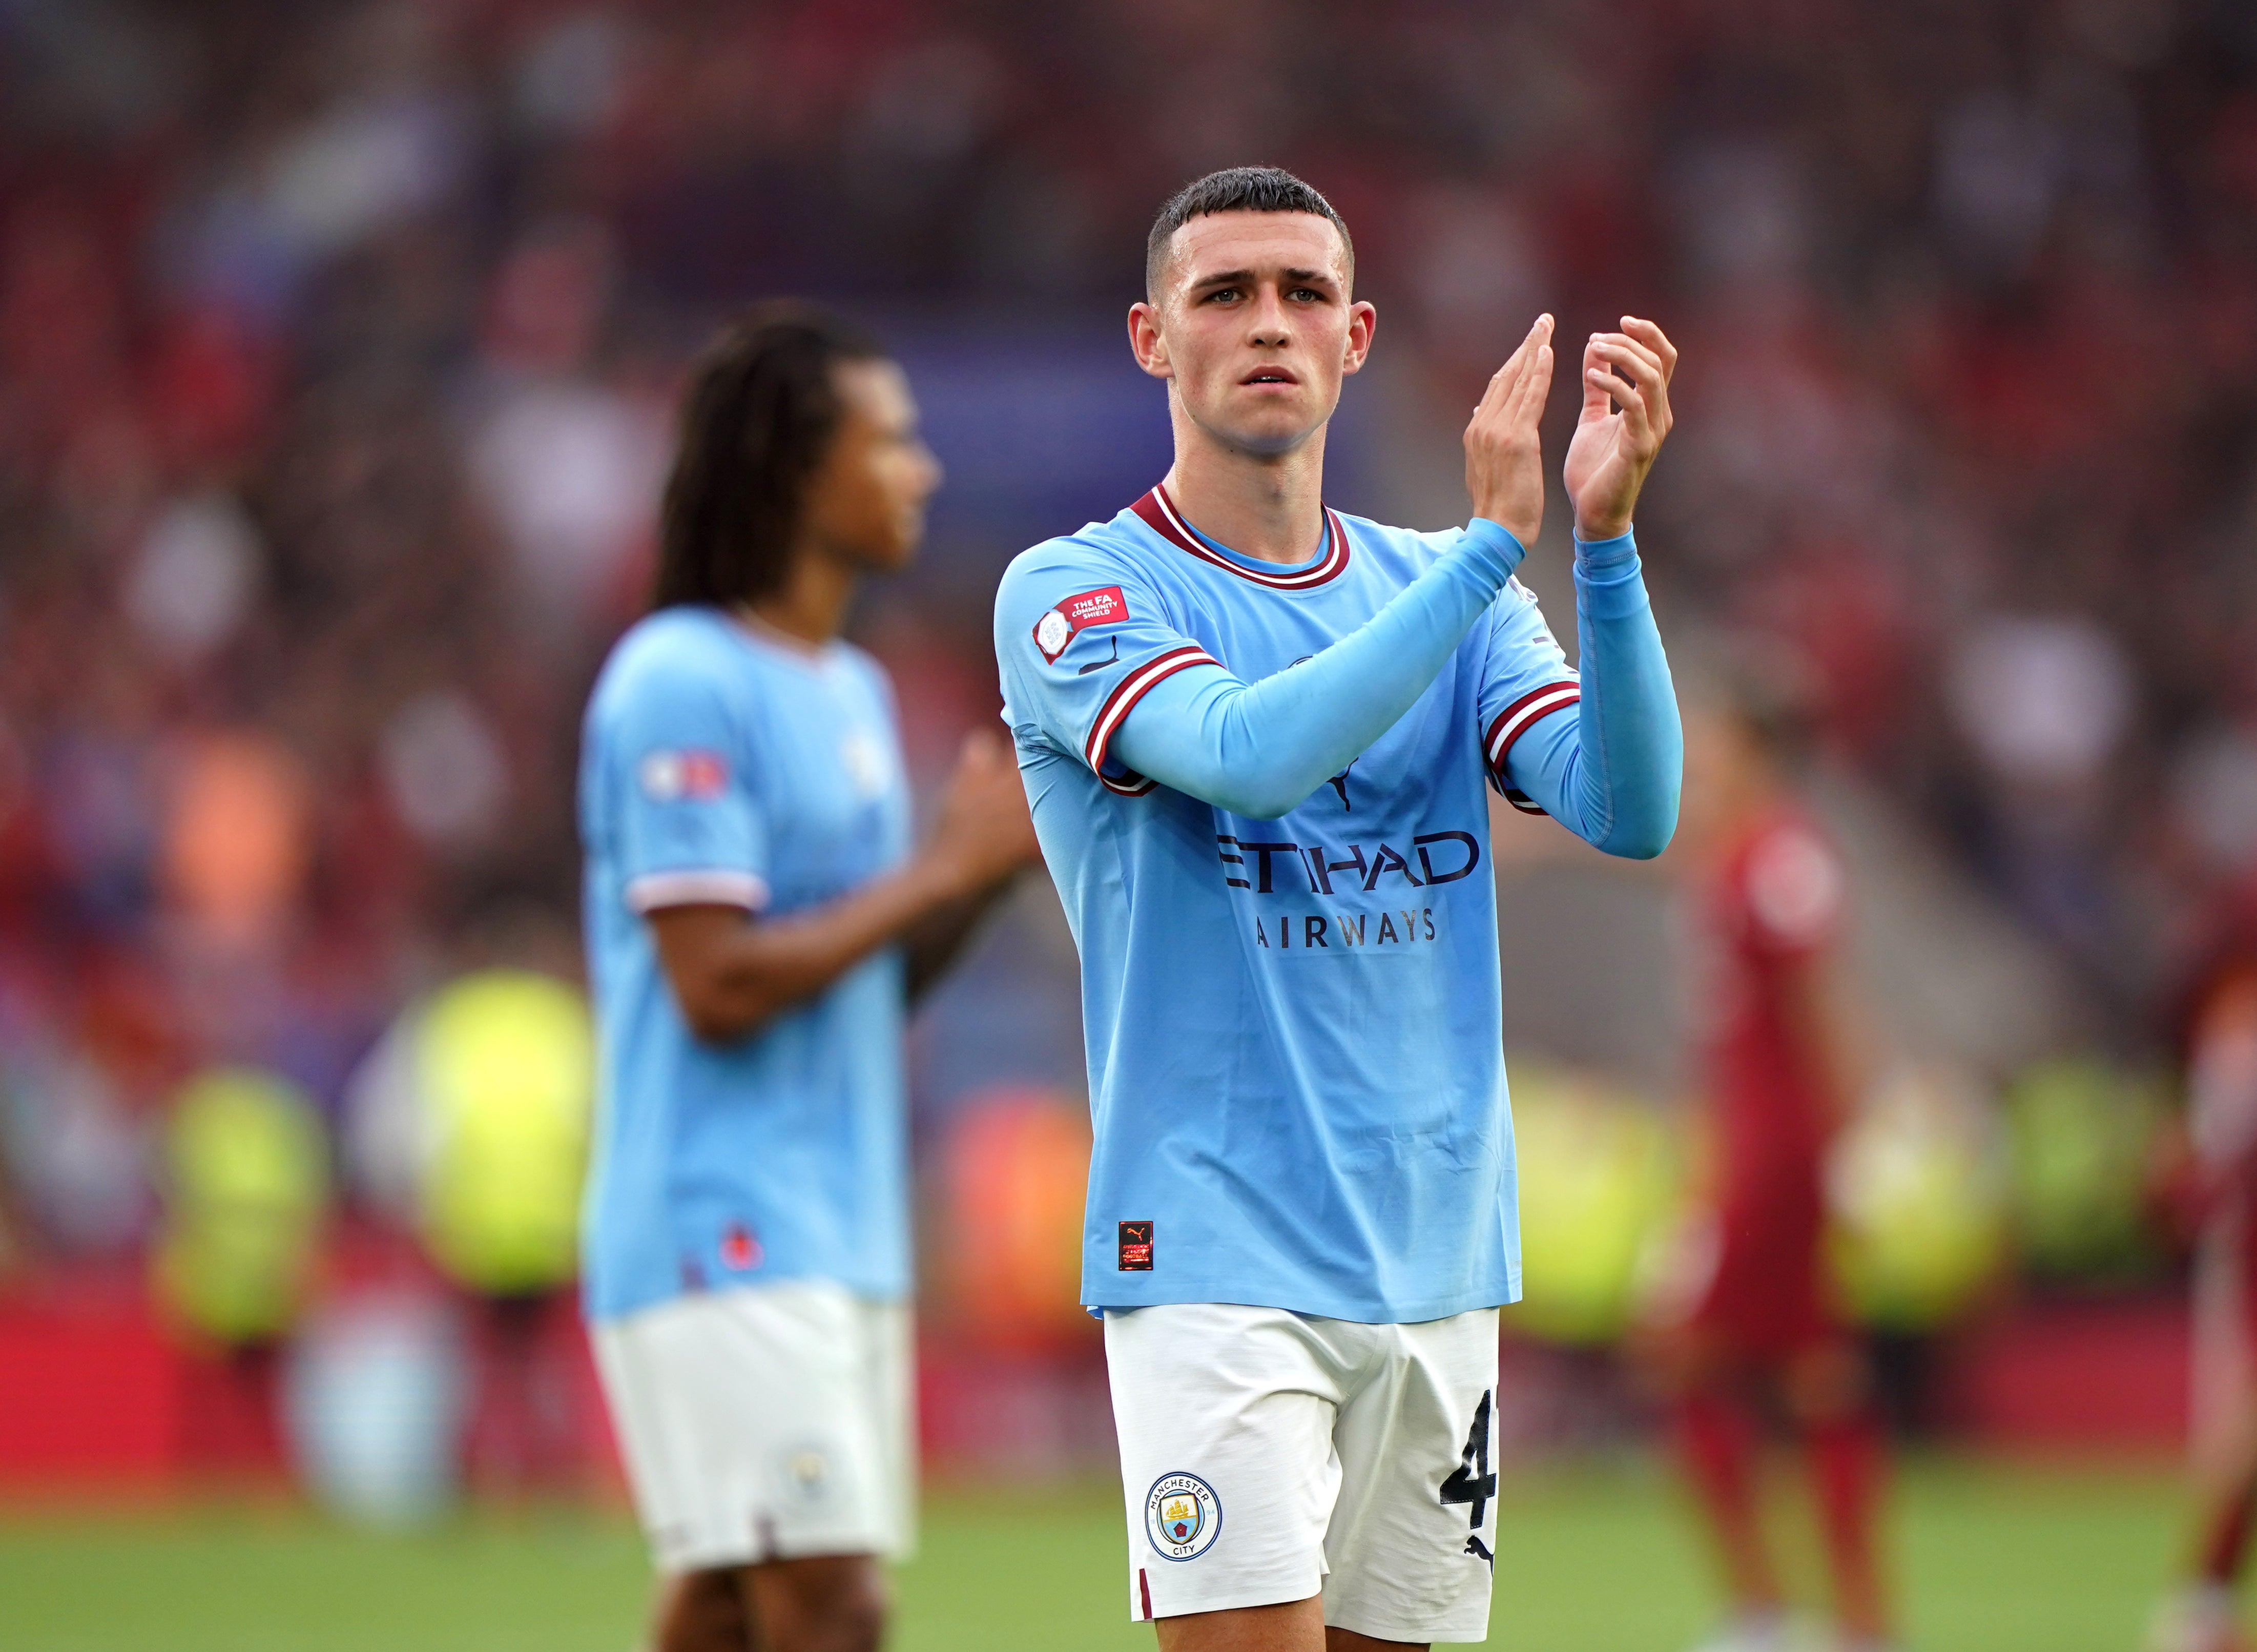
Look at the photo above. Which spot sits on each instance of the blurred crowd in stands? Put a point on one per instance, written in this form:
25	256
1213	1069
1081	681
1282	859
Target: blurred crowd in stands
337	342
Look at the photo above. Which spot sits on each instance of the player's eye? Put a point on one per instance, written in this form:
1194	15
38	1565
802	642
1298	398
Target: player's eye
1309	294
1222	293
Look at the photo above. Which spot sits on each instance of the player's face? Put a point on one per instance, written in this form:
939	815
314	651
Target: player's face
1254	327
865	504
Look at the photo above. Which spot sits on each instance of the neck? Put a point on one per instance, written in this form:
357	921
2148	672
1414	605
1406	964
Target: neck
810	605
1268	505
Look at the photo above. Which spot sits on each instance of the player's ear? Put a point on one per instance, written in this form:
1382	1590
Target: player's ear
1145	341
1362	319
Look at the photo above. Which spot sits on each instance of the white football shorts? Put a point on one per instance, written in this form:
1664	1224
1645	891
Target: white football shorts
1267	1457
765	1423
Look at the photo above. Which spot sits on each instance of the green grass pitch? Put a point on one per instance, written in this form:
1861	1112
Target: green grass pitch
1599	1559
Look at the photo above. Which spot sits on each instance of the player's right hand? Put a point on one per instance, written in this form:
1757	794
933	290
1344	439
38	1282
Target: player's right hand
985	832
1505	460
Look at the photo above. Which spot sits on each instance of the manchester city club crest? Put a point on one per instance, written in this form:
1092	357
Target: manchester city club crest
804	1472
1182	1516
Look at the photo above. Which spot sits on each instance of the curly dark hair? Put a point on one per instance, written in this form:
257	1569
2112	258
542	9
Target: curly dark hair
760	413
1236	189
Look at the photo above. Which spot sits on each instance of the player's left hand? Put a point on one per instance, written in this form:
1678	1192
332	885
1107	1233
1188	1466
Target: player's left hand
1612	451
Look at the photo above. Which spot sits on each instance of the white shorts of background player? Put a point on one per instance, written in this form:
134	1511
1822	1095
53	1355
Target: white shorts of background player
765	1423
1267	1456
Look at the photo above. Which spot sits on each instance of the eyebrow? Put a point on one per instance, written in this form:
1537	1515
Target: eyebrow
1228	278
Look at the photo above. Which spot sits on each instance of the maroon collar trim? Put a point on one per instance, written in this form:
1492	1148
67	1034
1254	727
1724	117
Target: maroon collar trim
1161	516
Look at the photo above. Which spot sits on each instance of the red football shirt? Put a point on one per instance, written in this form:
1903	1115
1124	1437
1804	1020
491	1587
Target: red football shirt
1775	904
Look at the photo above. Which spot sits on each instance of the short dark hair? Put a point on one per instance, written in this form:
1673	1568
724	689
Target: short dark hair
759	416
1236	189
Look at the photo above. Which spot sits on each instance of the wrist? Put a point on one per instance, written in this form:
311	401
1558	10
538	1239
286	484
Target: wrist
1596	553
1491	539
1608	582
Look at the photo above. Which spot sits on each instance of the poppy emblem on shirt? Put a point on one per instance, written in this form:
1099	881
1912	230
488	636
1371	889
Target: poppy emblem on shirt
740	1250
1060	626
1182	1516
669	776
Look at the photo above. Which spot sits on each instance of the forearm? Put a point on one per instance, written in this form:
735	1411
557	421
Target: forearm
1611	772
732	979
1257	750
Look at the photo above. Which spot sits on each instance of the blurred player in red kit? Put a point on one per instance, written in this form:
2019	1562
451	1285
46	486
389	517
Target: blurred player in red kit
1751	1320
2213	1182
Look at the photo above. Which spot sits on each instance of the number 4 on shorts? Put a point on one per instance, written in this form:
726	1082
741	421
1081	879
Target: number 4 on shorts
1473	1481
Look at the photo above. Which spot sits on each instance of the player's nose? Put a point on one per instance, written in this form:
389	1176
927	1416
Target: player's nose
1271	321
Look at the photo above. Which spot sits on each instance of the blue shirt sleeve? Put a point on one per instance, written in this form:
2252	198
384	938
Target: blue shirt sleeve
1080	637
1173	715
691	831
1605	753
1524	677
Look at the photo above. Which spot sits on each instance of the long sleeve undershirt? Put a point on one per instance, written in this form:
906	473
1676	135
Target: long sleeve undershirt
1608	768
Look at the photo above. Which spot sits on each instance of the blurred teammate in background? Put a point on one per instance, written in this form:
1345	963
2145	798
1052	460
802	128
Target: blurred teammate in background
1256	734
757	922
1752	1318
2217	1198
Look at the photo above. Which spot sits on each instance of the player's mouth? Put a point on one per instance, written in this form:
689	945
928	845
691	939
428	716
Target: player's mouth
1270	376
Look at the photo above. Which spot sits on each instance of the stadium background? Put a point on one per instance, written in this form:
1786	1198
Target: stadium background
336	346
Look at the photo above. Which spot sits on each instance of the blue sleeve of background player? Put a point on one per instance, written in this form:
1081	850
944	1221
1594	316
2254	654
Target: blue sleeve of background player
1257	749
1604	755
691	827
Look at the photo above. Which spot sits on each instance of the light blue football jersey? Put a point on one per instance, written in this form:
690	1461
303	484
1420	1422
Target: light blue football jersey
720	766
1296	1065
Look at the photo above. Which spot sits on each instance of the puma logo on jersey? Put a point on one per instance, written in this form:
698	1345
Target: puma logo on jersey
1136	1247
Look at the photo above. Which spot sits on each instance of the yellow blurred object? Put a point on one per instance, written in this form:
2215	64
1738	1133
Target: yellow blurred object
1600	1176
1916	1190
2083	1133
248	1186
504	1073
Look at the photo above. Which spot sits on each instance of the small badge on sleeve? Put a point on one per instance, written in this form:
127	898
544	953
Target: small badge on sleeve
1136	1247
1060	625
668	776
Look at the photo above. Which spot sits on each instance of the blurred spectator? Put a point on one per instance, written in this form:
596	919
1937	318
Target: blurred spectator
247	1187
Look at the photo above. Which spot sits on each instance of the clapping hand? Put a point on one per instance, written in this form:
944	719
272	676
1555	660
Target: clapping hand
1625	418
1504	463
